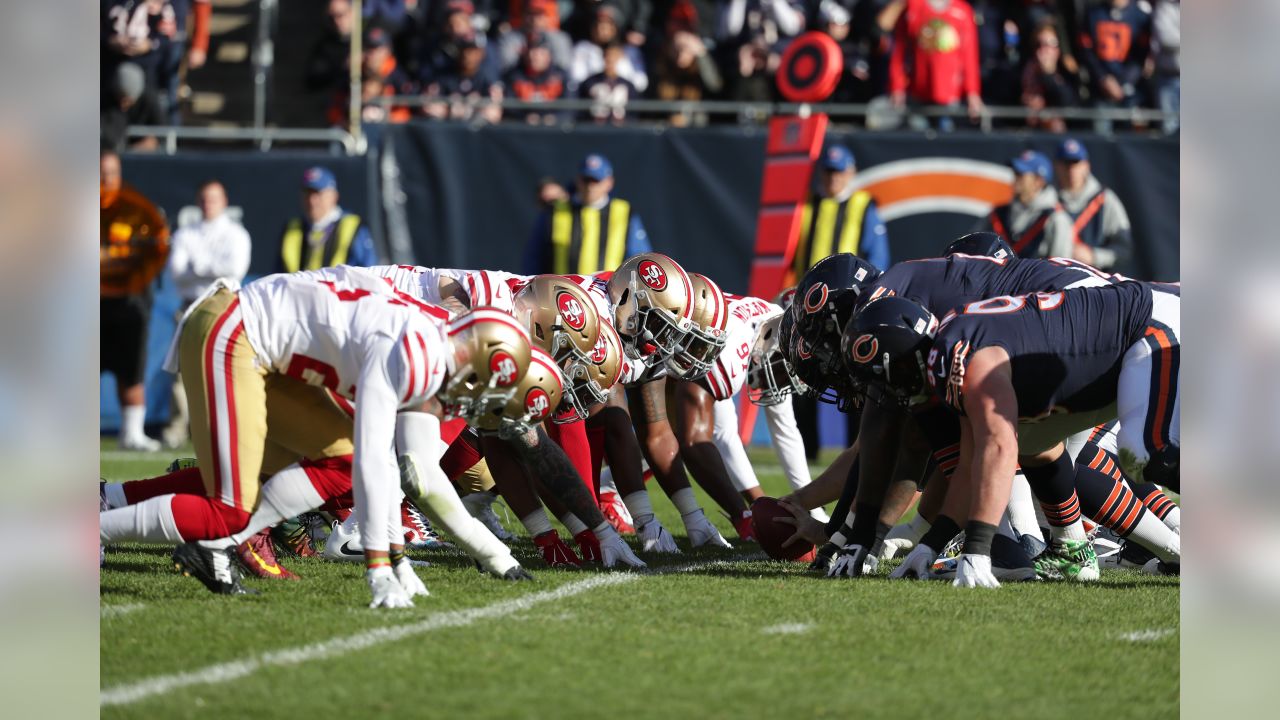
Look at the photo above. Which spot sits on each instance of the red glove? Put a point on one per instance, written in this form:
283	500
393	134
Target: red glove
588	545
743	526
555	552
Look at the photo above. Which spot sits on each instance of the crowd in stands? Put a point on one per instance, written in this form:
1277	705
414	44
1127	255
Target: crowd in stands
449	55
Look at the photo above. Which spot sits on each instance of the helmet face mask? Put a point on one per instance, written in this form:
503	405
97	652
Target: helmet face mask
588	384
652	308
770	379
886	344
490	355
707	337
534	399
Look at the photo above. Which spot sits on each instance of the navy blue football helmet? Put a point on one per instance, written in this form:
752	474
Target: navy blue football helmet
986	244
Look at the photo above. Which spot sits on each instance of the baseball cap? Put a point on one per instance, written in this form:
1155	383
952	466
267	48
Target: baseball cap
1071	150
838	158
1031	161
596	167
318	178
611	12
376	37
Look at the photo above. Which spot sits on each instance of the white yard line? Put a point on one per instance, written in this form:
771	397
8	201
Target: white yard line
110	611
1139	636
787	629
236	669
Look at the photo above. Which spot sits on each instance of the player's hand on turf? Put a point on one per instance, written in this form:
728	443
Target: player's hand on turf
409	580
975	571
588	546
386	590
849	562
701	531
555	552
917	564
807	529
897	542
614	550
822	561
655	538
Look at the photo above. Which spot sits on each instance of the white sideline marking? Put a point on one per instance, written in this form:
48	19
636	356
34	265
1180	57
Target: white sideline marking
228	671
1147	635
787	629
110	611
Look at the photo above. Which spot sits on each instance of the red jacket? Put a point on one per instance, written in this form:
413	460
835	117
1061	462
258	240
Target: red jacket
942	48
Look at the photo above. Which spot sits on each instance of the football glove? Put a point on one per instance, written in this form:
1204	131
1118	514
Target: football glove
702	532
386	590
853	561
555	552
408	579
655	538
975	571
588	546
917	564
614	550
822	561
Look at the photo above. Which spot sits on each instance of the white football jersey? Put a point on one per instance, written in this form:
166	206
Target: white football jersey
327	332
746	315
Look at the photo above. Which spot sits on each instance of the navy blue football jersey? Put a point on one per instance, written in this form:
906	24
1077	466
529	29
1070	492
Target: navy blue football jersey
944	284
1065	348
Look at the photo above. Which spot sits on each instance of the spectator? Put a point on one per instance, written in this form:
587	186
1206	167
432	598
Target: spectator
632	19
588	233
128	103
1100	225
132	250
1166	42
380	77
390	14
137	31
588	55
193	45
541	16
327	64
610	91
999	39
839	218
216	247
1046	84
1032	222
1116	39
378	57
550	192
460	94
326	235
520	14
935	58
536	80
685	71
443	57
750	33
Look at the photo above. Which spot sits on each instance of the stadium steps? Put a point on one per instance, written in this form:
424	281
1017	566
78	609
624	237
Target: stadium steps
221	92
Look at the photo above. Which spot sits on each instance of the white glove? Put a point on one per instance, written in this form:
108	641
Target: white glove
917	564
702	532
386	589
975	571
655	538
613	549
849	562
408	579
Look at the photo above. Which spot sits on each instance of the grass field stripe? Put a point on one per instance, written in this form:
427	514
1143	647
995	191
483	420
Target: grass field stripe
1138	636
787	629
110	611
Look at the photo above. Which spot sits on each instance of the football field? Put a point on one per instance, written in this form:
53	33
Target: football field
709	633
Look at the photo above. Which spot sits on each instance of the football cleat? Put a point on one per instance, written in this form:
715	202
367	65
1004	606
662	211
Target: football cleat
702	532
1008	562
1155	566
140	443
516	574
217	569
386	589
418	533
655	538
344	543
555	552
1133	555
823	558
588	546
480	505
1068	560
258	556
615	511
294	536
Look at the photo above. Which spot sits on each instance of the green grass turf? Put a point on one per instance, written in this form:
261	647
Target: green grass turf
666	644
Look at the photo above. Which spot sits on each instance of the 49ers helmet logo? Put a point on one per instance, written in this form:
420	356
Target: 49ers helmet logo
815	298
504	369
600	352
537	403
865	348
652	275
571	310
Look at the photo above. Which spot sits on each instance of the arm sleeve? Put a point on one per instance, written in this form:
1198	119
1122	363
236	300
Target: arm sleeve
875	238
375	476
725	437
897	59
362	252
201	12
788	444
972	70
637	238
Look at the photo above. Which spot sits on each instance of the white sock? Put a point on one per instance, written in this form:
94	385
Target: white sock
372	499
536	523
606	481
132	420
639	506
1173	520
114	493
917	528
1157	537
1022	508
150	520
572	524
685	501
1073	532
288	493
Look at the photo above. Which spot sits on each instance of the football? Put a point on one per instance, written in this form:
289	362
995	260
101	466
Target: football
772	534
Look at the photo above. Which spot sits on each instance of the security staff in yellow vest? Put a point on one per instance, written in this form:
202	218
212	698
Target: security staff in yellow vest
838	219
325	235
589	232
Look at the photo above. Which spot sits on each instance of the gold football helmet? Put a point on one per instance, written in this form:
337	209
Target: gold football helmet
652	302
707	336
591	382
769	376
559	315
490	356
537	396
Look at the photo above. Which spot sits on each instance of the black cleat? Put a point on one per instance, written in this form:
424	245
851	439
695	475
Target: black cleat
194	560
822	561
517	574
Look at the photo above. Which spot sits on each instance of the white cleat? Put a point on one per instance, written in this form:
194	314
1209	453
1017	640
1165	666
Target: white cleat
344	542
655	538
386	590
702	532
140	443
480	505
409	580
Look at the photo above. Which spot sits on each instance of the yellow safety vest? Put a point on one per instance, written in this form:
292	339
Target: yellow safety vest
817	235
338	239
588	236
